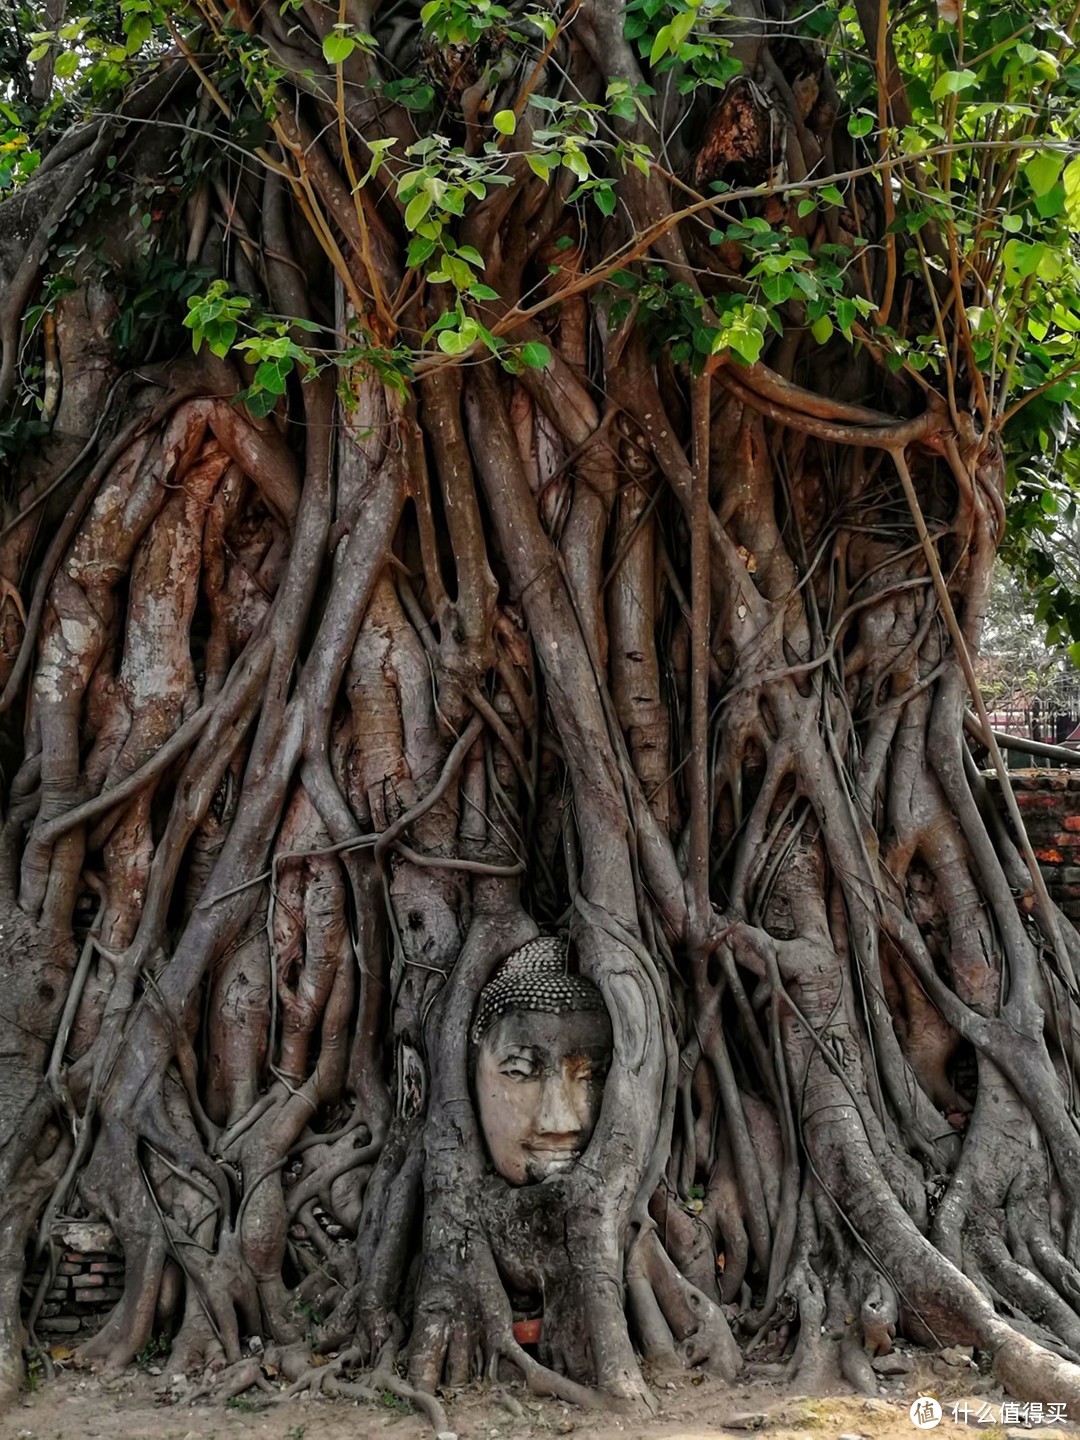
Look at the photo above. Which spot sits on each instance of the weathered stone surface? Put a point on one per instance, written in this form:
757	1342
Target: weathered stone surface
959	1355
895	1363
86	1236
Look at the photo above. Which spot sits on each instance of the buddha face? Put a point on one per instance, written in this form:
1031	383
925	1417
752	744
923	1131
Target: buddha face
539	1083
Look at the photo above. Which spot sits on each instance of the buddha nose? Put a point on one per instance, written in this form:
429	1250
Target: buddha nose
557	1115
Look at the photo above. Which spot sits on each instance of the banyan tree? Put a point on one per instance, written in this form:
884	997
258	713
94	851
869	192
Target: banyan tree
499	507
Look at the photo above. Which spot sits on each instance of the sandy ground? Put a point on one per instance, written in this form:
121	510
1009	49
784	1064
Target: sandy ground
142	1406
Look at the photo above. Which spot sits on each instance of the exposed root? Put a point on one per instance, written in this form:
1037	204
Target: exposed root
322	712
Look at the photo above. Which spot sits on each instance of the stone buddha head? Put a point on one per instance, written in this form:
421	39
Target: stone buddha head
542	1046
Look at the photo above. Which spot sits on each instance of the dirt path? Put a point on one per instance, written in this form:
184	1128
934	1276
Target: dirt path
142	1406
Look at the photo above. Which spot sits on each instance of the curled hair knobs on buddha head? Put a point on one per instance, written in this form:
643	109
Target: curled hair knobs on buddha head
534	978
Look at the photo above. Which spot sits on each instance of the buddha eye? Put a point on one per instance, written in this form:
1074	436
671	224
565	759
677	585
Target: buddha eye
519	1067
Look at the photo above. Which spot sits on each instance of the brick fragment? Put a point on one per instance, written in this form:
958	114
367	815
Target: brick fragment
107	1267
60	1324
91	1239
1039	780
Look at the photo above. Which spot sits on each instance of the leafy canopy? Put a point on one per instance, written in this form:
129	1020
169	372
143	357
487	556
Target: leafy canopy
975	165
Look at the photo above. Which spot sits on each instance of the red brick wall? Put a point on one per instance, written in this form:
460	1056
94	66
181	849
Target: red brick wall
87	1280
1049	801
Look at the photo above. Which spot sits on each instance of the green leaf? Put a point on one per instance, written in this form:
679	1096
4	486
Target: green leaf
952	82
604	196
662	42
777	288
271	376
505	121
66	65
542	164
38	53
535	355
492	343
483	292
1052	203
1022	260
337	47
417	208
845	315
220	337
806	207
458	272
1042	171
860	125
453	342
412	95
822	329
681	26
420	249
746	344
832	194
259	402
1072	191
137	34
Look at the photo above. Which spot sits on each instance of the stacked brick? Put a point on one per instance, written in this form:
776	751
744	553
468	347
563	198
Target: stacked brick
89	1280
1049	801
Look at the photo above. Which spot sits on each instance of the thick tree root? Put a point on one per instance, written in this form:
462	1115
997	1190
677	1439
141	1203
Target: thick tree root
322	713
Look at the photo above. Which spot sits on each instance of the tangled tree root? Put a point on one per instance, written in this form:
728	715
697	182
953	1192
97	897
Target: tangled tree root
318	714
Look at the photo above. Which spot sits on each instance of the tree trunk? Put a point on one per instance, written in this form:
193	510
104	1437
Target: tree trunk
330	691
